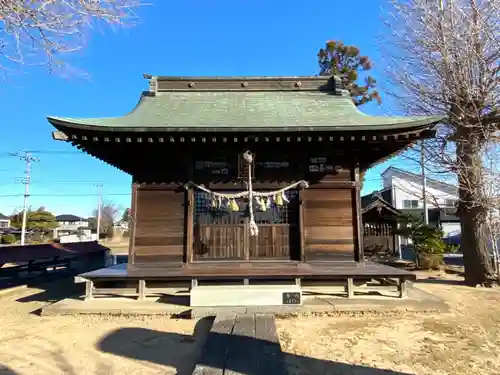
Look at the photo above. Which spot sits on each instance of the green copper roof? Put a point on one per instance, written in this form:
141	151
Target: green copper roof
213	110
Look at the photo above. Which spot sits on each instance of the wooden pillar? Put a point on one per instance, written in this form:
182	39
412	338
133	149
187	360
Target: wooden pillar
403	288
358	220
189	225
394	227
301	226
141	289
131	225
89	288
350	287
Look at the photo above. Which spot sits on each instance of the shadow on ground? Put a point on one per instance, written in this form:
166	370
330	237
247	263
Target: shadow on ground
439	281
173	299
4	370
149	345
66	288
49	293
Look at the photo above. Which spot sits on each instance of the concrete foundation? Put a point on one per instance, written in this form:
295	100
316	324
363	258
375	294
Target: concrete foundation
176	302
245	295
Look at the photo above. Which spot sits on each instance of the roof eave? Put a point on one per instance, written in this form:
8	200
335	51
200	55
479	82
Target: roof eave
379	201
60	124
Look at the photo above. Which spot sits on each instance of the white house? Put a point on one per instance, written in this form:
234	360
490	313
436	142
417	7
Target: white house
71	228
404	190
4	222
71	222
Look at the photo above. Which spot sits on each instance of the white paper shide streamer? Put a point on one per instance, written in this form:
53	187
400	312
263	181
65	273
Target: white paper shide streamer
263	198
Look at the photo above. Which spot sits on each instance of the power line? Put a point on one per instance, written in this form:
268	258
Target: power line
67	182
44	152
99	205
65	195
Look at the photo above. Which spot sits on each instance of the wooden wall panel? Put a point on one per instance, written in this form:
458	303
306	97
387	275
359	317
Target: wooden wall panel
328	224
159	234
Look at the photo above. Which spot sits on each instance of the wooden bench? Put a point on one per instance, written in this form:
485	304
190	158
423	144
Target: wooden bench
242	344
35	265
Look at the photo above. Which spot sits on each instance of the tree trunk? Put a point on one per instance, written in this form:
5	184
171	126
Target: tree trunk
472	213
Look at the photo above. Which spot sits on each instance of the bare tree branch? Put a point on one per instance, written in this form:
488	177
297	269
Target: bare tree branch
443	56
44	32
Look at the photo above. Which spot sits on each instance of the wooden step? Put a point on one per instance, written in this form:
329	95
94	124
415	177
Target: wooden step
242	344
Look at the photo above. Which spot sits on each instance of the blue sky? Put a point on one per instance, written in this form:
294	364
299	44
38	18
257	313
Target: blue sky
173	38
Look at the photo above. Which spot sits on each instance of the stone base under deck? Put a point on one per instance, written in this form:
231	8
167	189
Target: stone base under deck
245	295
321	300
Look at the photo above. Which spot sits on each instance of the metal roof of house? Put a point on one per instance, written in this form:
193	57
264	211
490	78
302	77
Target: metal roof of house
3	217
244	104
68	217
408	173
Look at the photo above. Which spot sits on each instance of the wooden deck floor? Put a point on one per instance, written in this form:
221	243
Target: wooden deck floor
275	270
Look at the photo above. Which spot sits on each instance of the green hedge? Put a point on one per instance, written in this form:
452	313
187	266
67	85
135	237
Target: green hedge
8	239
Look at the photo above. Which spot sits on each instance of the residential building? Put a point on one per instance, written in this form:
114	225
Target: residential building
4	221
404	190
72	228
69	221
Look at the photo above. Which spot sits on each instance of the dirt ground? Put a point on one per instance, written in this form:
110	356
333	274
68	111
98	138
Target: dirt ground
90	345
463	341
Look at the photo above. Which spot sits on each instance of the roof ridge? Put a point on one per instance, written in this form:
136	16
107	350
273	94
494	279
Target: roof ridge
332	84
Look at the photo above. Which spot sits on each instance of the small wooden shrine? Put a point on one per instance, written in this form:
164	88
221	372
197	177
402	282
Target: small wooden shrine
380	222
244	175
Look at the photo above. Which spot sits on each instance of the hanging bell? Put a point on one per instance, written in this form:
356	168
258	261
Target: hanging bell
262	204
233	205
279	200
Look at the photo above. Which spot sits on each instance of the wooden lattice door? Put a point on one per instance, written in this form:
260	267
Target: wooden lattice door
378	238
224	234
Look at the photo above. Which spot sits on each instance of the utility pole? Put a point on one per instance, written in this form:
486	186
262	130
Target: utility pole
99	207
26	156
424	182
